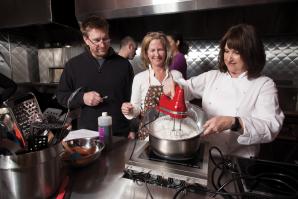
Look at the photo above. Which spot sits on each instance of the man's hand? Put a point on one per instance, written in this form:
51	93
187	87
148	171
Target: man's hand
218	124
92	98
126	108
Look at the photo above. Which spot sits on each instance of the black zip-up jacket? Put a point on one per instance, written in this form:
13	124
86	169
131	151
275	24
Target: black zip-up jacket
113	79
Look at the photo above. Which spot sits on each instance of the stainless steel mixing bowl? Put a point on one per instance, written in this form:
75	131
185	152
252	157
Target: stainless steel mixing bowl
82	151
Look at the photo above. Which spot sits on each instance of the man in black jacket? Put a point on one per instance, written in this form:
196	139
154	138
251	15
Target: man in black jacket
97	80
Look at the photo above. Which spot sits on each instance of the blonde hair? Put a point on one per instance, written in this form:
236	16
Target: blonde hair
145	45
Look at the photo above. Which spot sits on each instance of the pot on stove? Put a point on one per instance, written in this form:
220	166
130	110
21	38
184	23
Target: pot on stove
175	127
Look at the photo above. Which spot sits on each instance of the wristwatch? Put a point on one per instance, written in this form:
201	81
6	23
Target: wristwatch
236	126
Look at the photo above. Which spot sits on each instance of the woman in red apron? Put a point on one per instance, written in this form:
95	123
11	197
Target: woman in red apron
147	85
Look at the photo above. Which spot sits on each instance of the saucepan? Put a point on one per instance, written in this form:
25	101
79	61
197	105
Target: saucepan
34	174
171	139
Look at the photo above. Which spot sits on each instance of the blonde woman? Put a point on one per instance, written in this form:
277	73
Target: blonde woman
147	85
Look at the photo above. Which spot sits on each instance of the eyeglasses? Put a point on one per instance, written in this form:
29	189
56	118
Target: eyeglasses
96	42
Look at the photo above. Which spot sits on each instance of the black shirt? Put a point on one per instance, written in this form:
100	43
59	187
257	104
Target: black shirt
113	79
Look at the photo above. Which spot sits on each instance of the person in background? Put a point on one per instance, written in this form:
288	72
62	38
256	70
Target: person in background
98	80
8	88
242	105
147	85
128	48
179	49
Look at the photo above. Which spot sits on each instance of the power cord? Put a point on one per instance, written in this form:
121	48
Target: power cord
141	177
143	125
227	166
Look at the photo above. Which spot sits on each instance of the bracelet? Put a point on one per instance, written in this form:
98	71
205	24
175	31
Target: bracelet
236	126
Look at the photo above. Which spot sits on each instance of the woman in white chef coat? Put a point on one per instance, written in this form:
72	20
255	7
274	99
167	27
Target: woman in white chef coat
242	105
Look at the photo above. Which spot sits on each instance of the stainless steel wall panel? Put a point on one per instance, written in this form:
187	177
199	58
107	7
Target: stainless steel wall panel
282	59
54	57
202	56
20	58
20	62
5	66
46	59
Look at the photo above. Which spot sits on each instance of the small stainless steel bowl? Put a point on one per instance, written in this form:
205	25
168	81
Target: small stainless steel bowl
82	151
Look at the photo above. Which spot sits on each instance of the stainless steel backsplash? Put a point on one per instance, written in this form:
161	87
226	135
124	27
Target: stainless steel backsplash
281	56
54	57
25	63
18	60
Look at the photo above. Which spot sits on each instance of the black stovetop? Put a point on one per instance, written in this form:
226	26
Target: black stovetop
194	162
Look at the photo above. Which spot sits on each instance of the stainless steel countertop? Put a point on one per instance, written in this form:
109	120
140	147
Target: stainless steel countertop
103	178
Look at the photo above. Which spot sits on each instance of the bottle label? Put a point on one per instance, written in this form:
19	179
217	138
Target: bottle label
105	134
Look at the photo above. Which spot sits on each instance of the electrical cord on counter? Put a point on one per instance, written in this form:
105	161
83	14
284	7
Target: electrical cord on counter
225	165
263	177
149	122
148	190
137	177
143	125
133	149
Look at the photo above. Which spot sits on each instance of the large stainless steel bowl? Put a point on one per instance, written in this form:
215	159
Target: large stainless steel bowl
177	149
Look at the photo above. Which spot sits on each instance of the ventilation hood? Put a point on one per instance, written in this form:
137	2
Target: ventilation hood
40	21
195	19
131	8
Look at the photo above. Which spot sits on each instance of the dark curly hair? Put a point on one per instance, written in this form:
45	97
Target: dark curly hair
245	40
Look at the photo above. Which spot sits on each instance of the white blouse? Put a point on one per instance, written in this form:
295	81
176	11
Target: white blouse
141	85
254	101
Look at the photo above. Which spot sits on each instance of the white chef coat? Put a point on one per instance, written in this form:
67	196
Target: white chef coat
255	101
140	87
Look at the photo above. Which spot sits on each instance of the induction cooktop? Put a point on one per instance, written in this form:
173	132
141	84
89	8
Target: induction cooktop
190	171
